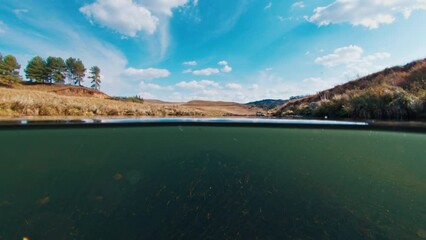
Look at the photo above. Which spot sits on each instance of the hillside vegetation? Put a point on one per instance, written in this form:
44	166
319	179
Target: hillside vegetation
394	93
25	99
267	104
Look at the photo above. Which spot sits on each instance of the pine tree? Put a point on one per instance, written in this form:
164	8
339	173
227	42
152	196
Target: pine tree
70	65
37	70
11	66
56	69
79	72
95	72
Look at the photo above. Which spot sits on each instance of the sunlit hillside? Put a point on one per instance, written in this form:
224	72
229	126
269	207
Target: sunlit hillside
394	93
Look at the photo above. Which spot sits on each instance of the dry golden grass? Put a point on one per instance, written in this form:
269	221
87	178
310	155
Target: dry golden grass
19	102
39	101
394	93
230	108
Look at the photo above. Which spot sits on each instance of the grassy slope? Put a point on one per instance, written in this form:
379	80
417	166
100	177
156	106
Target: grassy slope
395	93
267	104
61	100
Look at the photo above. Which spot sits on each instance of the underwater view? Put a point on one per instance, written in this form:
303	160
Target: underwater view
189	181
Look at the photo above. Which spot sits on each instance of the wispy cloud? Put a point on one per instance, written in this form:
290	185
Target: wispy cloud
300	4
370	14
190	63
144	85
147	74
206	71
165	6
234	86
352	57
20	11
268	6
3	27
198	84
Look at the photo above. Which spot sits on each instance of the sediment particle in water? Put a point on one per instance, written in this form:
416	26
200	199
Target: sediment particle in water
133	177
118	176
421	233
44	200
5	203
99	198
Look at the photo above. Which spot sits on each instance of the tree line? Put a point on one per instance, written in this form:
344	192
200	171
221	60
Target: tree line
50	70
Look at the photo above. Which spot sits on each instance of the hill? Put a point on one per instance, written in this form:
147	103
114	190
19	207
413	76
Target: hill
229	108
33	100
394	93
267	104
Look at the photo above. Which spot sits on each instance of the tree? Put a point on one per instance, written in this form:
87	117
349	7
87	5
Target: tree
95	75
2	67
11	66
37	70
79	72
56	69
70	65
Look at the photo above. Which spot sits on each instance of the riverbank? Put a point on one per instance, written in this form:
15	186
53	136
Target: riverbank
70	101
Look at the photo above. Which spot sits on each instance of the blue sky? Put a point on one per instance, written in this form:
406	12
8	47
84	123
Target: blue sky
242	50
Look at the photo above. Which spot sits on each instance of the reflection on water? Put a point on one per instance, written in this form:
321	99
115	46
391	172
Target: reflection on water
211	183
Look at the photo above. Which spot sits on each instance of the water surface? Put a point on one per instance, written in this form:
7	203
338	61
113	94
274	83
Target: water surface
211	182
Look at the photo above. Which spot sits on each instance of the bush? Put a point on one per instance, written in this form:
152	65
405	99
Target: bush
337	108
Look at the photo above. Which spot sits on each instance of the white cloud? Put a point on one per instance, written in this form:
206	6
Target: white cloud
125	16
206	72
378	56
147	95
223	63
300	4
341	56
353	59
190	63
210	92
370	14
254	87
268	85
234	86
144	85
226	69
147	74
198	84
3	27
268	6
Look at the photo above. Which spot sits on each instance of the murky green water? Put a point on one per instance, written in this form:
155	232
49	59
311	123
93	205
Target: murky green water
212	183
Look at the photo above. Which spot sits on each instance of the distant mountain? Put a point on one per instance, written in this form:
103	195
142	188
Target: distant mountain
394	93
267	104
